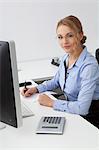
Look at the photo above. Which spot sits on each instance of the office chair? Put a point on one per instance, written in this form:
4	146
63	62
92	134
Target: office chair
93	116
97	54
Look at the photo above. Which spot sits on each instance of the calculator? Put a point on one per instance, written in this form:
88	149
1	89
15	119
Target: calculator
51	125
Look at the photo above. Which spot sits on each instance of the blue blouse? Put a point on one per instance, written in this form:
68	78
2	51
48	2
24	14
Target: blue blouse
81	84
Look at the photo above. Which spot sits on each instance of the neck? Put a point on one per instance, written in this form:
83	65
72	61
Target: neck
74	55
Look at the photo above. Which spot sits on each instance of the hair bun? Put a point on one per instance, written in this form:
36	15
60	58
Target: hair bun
83	39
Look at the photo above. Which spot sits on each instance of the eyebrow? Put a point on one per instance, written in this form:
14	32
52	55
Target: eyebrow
66	34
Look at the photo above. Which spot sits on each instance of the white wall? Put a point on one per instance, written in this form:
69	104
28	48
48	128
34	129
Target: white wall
32	25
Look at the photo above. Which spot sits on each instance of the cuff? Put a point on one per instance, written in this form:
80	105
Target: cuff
40	88
60	105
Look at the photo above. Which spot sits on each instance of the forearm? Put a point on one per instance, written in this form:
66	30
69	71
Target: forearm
70	107
48	85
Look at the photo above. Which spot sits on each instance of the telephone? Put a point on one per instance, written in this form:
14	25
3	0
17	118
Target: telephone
55	61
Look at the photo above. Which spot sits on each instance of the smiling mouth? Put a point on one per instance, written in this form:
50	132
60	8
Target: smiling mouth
67	47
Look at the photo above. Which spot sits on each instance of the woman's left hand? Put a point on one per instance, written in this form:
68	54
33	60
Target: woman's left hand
45	100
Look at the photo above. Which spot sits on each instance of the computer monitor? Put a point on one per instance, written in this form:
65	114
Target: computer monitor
10	104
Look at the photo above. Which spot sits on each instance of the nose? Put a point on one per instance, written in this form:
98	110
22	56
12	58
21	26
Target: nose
65	40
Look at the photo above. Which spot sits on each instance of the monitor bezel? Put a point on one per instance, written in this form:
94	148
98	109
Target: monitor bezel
15	83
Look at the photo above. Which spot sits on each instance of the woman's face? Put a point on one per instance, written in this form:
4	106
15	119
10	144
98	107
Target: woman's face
68	39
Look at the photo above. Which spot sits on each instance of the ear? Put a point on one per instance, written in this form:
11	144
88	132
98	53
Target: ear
81	35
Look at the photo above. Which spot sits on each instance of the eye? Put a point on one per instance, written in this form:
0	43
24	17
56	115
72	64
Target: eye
59	37
70	35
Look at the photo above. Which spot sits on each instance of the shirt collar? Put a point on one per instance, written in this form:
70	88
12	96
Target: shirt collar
81	57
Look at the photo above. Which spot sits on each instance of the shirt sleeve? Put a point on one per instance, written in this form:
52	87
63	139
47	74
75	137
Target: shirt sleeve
89	76
50	84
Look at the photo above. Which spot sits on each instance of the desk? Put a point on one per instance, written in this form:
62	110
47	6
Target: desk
78	133
37	70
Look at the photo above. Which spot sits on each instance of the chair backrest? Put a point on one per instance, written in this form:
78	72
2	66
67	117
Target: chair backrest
97	55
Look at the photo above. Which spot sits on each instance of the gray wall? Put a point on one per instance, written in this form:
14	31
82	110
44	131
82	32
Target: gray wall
32	25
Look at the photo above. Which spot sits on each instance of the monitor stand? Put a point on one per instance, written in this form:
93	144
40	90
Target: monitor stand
2	125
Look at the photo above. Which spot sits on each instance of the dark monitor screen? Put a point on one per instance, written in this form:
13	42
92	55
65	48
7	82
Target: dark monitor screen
10	104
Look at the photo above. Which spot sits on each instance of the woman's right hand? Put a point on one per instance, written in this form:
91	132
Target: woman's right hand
29	91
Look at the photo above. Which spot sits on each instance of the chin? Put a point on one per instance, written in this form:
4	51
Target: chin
67	50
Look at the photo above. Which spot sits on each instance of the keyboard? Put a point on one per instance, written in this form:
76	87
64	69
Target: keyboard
51	125
26	111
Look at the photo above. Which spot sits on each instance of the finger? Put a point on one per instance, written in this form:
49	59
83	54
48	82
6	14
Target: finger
24	90
39	96
22	93
39	100
27	94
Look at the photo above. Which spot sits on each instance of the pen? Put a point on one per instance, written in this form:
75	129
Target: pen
25	88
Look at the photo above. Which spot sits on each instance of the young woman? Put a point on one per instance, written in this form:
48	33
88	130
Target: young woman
77	76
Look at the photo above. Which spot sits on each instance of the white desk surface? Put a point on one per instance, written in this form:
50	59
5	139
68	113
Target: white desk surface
78	133
36	70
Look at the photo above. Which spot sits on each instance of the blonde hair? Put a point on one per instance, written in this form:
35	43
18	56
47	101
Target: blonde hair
74	23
